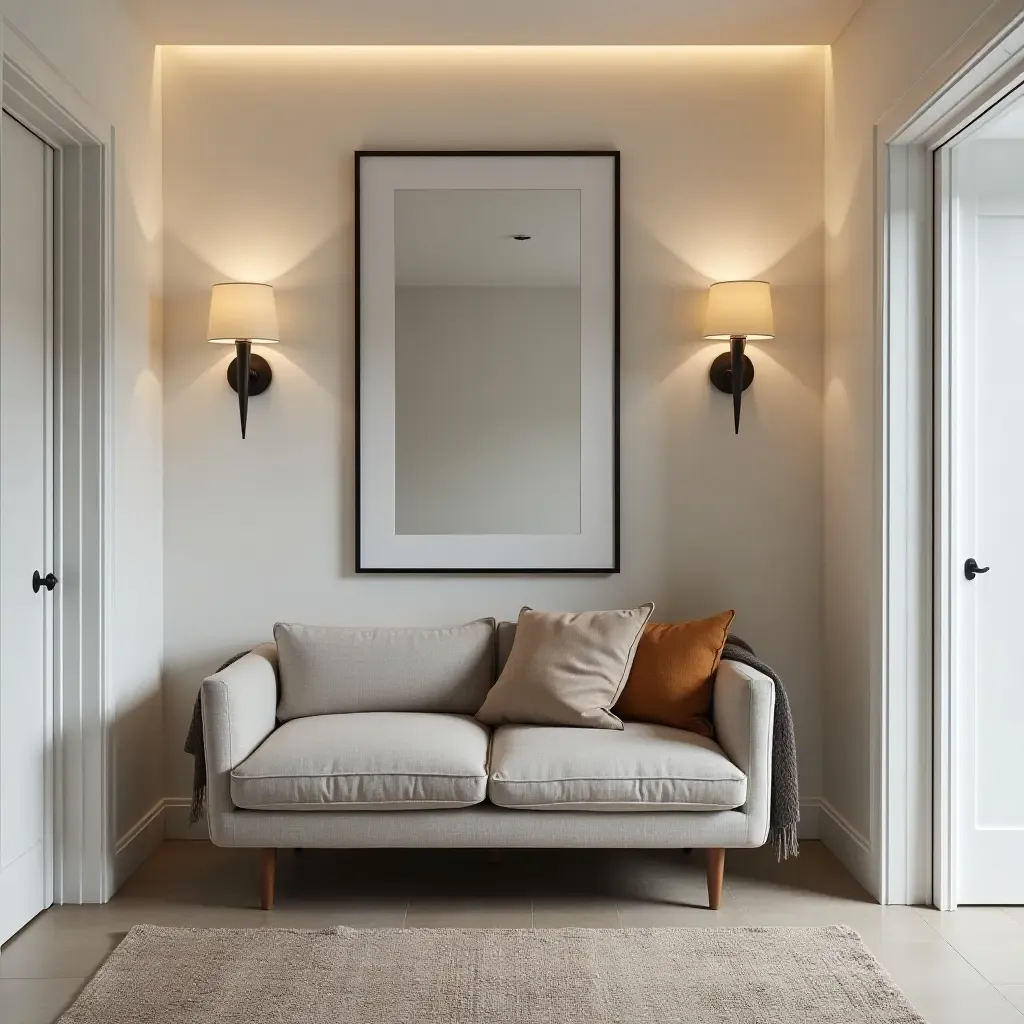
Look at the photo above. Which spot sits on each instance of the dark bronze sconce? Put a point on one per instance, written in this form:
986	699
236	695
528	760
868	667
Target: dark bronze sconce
738	312
244	315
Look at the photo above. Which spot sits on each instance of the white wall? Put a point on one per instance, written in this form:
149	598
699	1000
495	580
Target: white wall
487	410
722	177
101	51
877	65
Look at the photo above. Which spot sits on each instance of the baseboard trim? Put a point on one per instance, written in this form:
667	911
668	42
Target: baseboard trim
138	843
853	835
176	824
850	846
810	819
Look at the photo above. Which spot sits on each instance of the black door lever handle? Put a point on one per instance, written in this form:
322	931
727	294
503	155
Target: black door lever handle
972	569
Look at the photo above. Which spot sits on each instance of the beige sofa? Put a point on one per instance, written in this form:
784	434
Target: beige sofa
365	738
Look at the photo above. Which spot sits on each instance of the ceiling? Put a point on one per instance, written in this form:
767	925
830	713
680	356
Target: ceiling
464	237
495	22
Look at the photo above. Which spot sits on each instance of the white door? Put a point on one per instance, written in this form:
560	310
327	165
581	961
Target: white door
26	505
988	516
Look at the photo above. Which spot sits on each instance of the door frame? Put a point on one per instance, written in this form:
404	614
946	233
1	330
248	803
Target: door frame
36	94
916	689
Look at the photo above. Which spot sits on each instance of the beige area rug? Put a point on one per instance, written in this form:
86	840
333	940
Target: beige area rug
492	976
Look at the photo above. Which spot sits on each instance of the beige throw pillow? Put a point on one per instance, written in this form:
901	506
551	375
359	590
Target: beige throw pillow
566	668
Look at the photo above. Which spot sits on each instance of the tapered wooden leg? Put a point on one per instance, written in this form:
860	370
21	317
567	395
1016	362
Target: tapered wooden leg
716	875
268	868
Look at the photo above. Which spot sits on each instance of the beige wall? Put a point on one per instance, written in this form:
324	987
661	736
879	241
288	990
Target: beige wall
470	23
108	60
722	172
722	177
876	65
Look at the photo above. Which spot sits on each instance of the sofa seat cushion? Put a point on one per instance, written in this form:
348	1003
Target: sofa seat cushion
642	768
375	761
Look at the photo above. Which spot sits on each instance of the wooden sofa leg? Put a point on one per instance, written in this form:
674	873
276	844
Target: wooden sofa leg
716	875
268	868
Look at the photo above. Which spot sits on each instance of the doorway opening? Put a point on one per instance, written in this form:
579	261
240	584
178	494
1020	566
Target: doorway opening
979	181
927	539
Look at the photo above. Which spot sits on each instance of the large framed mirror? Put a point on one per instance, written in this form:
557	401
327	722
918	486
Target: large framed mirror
487	362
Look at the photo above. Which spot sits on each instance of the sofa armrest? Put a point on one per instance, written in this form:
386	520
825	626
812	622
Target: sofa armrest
744	717
239	713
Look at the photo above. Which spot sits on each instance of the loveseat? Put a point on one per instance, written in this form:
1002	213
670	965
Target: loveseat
374	744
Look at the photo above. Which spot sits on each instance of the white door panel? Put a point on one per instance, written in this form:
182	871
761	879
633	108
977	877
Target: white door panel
988	500
26	300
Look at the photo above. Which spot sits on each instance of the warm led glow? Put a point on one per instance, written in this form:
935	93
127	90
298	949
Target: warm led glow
740	309
485	50
240	311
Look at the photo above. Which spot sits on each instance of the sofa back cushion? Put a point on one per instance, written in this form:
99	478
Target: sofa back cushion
506	637
340	670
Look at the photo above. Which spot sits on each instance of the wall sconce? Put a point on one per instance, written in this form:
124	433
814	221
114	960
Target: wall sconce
738	312
244	315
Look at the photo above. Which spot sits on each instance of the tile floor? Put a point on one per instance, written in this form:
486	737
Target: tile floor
956	968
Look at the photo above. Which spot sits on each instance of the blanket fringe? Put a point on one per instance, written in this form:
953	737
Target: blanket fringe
785	842
198	805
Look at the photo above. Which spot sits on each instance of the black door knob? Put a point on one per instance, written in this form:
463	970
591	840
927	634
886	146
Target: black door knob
972	569
49	581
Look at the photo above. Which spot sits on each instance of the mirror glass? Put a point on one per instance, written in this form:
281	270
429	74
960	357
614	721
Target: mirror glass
487	361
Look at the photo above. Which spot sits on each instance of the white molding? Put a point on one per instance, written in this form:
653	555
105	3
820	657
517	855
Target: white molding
42	98
902	811
969	77
851	847
832	819
138	844
810	818
67	107
176	825
945	797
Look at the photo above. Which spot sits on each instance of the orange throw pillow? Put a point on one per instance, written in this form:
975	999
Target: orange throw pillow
671	678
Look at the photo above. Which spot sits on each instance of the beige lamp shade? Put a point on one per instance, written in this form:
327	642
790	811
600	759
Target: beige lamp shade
740	309
243	312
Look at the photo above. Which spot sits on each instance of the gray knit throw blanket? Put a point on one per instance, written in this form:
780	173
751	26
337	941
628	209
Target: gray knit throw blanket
194	746
785	808
784	814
